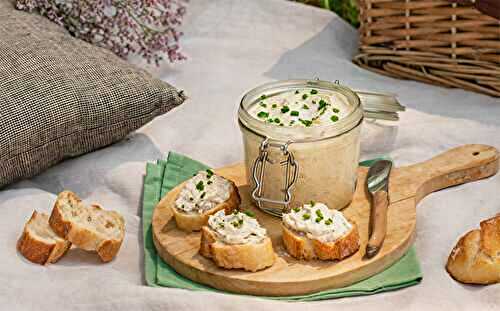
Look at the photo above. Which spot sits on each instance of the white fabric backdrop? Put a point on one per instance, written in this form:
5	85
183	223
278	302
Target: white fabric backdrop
233	46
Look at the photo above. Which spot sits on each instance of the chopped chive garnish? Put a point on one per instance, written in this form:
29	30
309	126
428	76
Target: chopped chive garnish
249	214
270	120
285	109
235	212
297	92
210	173
263	105
221	225
277	120
314	102
322	112
203	195
306	122
292	122
191	199
322	104
319	219
296	209
304	97
263	96
240	221
318	212
263	114
306	216
235	224
200	185
312	203
294	113
314	92
274	106
281	124
305	106
335	110
334	118
329	221
209	182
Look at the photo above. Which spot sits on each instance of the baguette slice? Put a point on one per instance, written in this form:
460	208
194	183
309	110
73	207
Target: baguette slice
475	259
250	257
302	247
89	227
194	222
39	243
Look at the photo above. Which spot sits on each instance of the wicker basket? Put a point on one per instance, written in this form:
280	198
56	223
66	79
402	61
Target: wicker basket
434	41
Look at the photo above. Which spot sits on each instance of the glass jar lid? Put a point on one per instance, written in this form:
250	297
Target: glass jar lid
352	116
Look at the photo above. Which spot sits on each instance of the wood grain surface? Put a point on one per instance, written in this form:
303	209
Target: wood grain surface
288	276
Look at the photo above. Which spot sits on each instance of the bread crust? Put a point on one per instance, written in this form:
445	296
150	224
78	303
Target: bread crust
38	251
301	247
81	236
250	257
475	259
194	222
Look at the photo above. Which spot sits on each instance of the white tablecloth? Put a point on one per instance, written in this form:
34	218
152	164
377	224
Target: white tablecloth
233	46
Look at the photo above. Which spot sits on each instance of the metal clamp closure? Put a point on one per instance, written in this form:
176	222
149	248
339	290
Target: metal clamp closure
259	167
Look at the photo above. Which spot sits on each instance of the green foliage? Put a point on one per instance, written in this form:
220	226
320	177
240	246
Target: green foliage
347	9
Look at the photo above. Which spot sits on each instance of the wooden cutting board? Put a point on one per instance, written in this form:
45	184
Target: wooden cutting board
408	185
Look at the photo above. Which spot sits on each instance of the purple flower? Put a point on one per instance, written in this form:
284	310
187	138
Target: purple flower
144	27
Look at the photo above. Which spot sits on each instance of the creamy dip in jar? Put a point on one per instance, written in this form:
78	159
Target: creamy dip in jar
306	107
301	141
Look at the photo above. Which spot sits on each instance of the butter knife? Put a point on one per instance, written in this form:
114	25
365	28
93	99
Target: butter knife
377	183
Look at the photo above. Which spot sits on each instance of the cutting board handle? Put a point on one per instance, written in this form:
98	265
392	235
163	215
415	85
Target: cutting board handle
456	166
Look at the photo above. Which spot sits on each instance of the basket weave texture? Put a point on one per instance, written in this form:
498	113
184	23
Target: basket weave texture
439	42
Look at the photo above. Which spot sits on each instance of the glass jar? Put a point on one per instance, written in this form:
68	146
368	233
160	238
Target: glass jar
289	166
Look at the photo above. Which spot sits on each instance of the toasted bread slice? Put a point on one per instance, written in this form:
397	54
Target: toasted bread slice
39	243
475	259
302	247
194	221
250	257
89	227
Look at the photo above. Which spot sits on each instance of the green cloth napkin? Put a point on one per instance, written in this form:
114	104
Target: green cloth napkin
162	176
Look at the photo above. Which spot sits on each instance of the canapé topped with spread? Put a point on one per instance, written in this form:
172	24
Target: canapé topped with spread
203	192
237	227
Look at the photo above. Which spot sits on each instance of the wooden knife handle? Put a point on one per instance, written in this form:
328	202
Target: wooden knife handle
378	222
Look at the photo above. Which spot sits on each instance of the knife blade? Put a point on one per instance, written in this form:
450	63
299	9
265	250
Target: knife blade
377	184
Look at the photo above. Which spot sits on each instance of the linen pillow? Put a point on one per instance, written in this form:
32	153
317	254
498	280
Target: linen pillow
61	97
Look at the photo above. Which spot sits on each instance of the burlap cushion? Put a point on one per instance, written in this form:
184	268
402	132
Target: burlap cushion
61	97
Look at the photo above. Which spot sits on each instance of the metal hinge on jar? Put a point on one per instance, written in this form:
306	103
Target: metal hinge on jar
291	169
378	106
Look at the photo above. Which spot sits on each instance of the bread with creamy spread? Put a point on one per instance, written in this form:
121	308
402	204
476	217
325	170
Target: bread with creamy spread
201	196
39	243
475	259
236	241
89	227
314	231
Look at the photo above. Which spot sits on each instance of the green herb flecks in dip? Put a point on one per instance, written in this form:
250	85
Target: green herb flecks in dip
262	114
300	108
